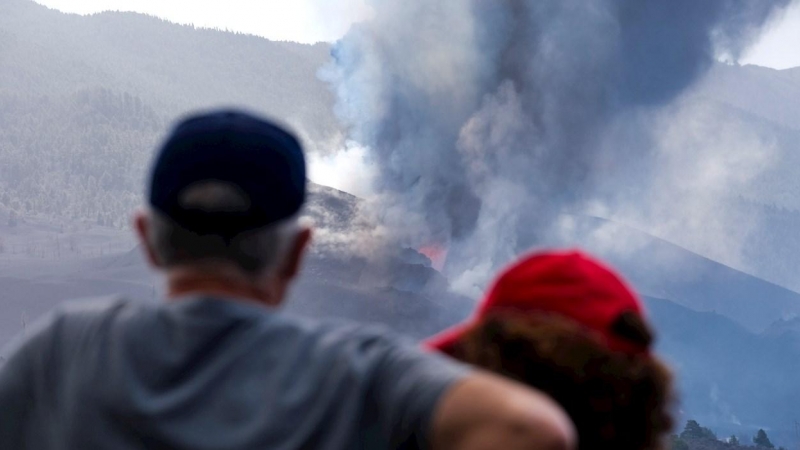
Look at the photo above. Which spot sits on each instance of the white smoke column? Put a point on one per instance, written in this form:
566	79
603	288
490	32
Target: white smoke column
487	118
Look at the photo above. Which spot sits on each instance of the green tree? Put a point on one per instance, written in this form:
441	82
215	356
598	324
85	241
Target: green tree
762	440
693	430
733	440
678	444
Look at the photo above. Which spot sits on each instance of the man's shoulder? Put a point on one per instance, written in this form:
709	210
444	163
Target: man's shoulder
342	331
277	325
328	340
95	306
379	344
63	325
74	318
85	311
92	310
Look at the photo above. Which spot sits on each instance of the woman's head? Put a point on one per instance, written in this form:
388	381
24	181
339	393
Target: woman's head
616	401
567	325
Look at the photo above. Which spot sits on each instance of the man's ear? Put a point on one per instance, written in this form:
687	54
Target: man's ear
295	254
141	223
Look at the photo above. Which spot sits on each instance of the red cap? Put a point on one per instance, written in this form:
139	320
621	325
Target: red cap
569	284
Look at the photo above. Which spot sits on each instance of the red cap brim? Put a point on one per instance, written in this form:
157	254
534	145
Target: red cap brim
447	339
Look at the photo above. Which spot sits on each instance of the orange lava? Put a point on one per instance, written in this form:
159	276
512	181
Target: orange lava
436	253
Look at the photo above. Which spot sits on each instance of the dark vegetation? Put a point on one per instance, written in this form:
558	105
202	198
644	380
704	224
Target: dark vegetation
83	101
62	156
696	437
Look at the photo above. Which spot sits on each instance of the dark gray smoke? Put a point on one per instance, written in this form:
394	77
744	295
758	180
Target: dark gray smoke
487	118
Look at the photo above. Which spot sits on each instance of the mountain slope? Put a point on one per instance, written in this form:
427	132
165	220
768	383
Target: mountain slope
730	379
175	68
662	269
772	94
84	101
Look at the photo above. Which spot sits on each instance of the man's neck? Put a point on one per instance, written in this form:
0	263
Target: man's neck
183	282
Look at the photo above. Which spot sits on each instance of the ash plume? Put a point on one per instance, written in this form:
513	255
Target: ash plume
486	119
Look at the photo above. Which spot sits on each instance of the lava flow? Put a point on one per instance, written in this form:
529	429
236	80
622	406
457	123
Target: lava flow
436	253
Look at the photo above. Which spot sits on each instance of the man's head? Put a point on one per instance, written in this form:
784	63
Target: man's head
225	192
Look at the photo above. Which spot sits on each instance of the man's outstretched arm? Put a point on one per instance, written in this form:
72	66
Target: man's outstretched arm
434	402
484	411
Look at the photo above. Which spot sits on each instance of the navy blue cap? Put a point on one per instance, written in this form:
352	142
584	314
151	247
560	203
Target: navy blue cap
260	160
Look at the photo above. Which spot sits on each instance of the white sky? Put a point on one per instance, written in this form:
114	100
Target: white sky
327	20
780	45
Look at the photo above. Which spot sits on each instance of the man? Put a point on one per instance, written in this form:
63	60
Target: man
218	365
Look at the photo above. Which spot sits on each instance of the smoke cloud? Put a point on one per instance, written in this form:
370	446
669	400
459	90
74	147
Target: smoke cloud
487	119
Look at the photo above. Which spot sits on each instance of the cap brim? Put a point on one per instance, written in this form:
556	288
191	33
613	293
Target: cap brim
446	340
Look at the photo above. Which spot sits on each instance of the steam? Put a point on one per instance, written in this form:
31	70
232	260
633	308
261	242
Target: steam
701	158
487	119
347	170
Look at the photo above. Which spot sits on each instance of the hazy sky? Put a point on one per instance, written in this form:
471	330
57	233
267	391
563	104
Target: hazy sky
780	45
327	20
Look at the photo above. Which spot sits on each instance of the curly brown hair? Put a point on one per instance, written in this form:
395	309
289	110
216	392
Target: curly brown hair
617	401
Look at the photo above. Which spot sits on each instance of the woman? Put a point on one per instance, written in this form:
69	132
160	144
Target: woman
569	326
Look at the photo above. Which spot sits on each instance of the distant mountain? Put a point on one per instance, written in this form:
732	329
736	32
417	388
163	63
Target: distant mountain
173	68
731	380
771	94
760	110
84	101
662	269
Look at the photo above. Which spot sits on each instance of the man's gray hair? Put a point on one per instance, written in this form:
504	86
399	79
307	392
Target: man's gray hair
254	252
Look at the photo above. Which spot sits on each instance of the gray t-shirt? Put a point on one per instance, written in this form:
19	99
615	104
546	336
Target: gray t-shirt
204	373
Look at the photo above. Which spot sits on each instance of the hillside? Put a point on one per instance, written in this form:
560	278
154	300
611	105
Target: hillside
750	107
769	93
730	379
84	100
662	269
172	67
728	189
